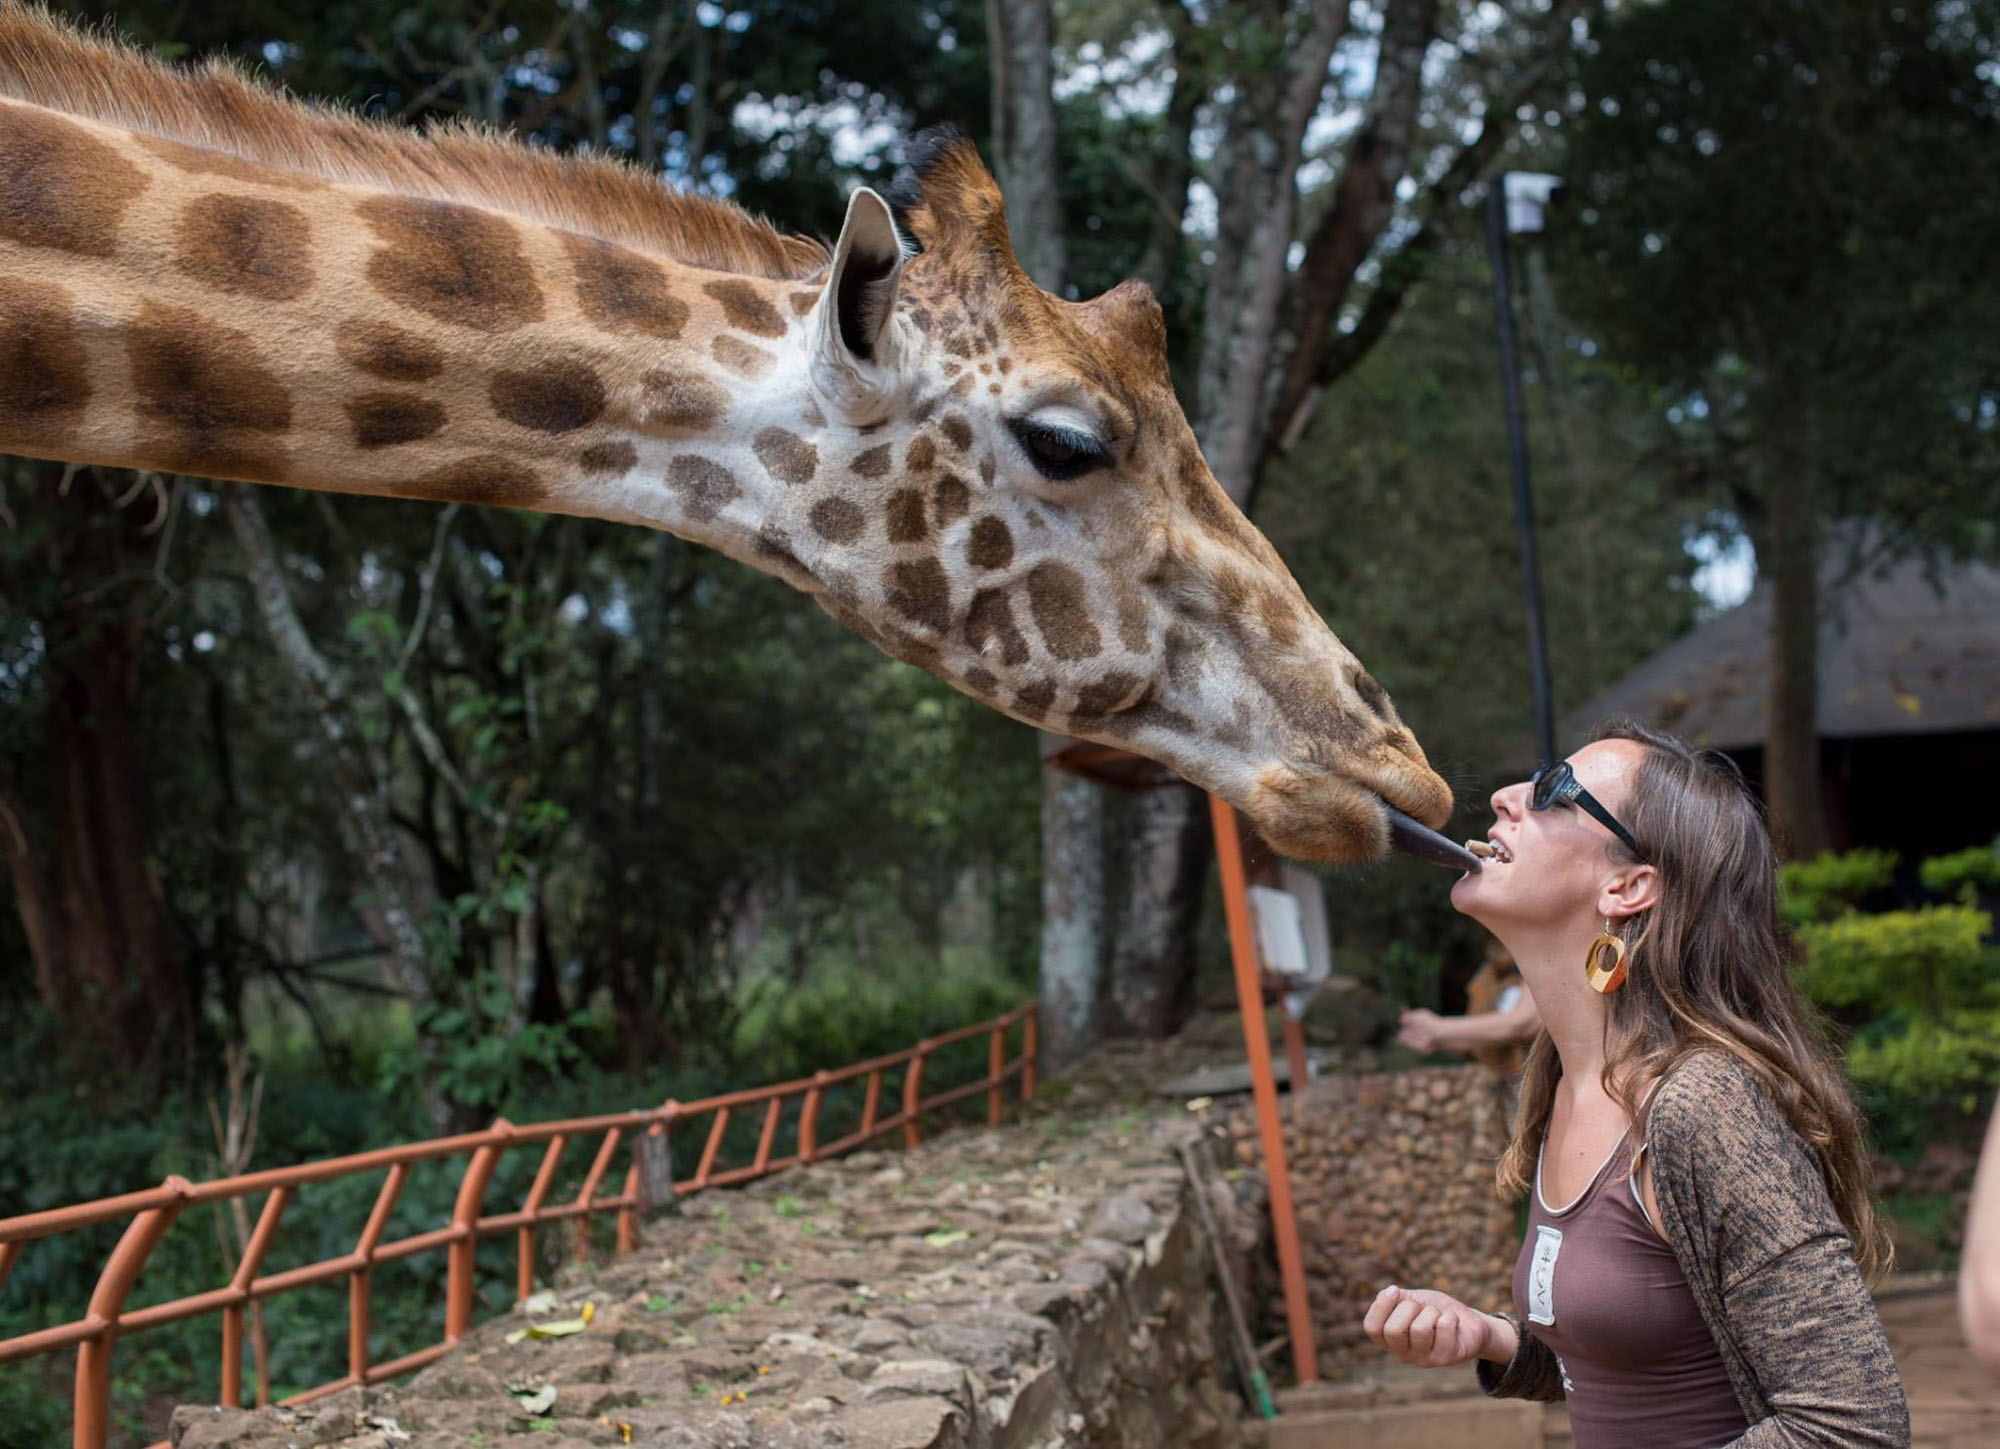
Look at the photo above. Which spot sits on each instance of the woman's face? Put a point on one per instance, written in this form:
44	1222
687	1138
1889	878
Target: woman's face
1555	864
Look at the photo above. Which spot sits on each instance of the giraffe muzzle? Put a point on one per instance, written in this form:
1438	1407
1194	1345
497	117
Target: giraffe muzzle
1413	837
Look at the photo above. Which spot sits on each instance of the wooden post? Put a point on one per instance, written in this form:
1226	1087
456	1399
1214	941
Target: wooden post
996	1063
913	1094
1257	1041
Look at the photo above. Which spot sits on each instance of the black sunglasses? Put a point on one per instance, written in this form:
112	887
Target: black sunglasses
1557	785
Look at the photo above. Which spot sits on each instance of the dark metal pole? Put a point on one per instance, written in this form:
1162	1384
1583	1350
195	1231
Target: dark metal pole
1517	457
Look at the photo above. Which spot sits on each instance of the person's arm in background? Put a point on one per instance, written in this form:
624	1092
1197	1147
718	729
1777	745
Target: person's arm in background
1426	1031
1979	1270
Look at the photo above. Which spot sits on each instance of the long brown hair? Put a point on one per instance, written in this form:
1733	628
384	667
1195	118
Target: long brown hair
1710	970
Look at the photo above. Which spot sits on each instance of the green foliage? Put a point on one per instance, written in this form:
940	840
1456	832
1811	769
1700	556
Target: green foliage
1830	883
1965	874
477	1052
1918	989
1925	959
1954	1058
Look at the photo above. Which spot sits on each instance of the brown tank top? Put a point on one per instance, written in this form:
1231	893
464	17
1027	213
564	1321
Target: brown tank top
1595	1283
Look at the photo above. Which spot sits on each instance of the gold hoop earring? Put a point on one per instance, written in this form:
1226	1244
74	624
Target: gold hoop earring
1605	979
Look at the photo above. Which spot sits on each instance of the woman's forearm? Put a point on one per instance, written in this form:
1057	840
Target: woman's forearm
1979	1272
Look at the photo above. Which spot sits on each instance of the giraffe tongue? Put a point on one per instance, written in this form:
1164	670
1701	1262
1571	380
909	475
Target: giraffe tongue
1414	838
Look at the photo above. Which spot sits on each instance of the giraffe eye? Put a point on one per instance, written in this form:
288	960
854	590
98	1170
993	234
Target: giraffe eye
1059	453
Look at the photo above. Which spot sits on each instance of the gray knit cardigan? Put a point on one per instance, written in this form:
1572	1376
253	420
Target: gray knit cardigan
1772	1269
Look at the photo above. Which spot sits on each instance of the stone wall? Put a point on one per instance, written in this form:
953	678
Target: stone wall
1043	1284
1392	1174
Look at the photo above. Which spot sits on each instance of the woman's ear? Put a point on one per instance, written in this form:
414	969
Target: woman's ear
1632	890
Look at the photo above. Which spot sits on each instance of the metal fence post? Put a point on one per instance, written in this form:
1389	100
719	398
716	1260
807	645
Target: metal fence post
107	1301
465	1246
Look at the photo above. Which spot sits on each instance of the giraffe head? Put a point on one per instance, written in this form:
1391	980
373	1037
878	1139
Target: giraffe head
1025	513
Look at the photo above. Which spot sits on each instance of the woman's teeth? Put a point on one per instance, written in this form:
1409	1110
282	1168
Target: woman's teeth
1490	850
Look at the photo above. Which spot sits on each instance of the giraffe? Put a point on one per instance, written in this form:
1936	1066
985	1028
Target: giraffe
200	274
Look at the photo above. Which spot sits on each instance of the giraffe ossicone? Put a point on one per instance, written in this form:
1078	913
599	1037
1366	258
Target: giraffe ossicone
200	275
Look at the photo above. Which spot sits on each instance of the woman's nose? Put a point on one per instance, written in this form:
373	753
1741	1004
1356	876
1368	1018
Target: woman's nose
1510	800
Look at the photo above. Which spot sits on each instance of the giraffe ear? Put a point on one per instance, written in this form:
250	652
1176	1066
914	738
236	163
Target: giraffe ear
853	343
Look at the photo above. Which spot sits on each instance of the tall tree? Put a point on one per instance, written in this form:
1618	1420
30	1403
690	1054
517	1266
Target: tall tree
1760	227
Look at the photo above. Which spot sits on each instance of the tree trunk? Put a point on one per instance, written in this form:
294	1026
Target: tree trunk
1072	914
1150	987
358	773
1019	35
1165	863
1791	744
91	902
1019	38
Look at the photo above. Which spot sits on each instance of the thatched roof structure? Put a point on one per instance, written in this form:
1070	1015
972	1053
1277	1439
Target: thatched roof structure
1904	650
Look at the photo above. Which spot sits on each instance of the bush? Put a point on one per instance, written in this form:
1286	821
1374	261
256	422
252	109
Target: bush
1931	959
1964	874
1829	884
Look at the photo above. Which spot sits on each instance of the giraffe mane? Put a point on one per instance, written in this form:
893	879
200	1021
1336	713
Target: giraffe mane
220	107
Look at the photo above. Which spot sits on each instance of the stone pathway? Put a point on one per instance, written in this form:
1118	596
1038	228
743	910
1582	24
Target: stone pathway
1042	1284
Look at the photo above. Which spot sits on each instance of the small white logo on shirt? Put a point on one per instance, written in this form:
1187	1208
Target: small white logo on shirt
1542	1275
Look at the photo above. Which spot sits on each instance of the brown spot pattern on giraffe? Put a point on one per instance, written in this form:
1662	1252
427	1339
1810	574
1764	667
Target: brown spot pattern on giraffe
951	498
614	458
452	263
682	401
838	520
802	302
1103	695
1280	616
746	307
44	373
199	161
218	406
979	681
246	244
990	619
559	396
922	454
874	462
623	292
382	419
61	187
488	479
1057	598
773	547
1132	632
388	352
957	431
920	592
1033	701
991	545
705	484
907	523
785	455
745	359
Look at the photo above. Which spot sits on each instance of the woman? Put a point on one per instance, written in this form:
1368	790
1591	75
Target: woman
1699	1220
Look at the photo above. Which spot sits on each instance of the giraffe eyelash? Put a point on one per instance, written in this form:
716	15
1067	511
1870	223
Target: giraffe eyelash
1059	453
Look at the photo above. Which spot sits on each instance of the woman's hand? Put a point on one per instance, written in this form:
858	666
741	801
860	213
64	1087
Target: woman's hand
1420	1030
1428	1329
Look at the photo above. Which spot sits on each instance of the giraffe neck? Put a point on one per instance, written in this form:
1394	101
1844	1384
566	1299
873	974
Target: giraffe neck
175	309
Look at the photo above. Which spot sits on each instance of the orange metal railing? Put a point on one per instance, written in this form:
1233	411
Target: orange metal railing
151	1213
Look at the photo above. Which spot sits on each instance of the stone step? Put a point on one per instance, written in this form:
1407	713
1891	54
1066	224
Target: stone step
1487	1423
